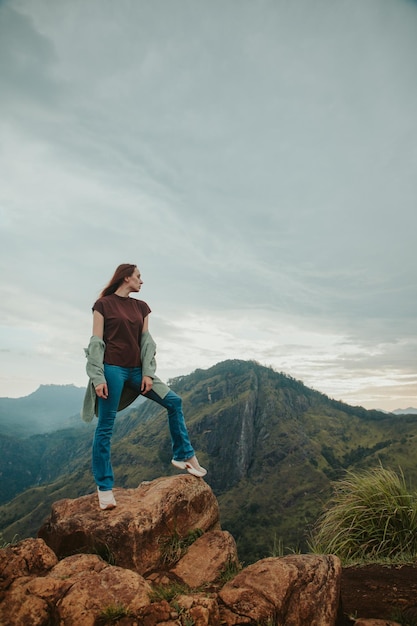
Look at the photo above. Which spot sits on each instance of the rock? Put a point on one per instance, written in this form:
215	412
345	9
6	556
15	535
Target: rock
32	601
26	558
113	589
77	566
21	607
292	590
200	609
130	535
155	614
78	590
207	559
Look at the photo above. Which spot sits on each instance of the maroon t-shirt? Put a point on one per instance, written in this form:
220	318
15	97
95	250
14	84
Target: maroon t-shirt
123	324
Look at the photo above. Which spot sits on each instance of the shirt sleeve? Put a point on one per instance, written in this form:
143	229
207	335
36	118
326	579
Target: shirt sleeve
98	306
145	308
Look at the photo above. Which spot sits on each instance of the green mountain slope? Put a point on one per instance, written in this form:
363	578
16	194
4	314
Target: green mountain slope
272	447
39	459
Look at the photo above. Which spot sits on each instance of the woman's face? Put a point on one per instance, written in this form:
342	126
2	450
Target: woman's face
134	282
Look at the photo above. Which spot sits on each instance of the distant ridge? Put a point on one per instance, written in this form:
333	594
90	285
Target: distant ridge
409	411
43	391
49	408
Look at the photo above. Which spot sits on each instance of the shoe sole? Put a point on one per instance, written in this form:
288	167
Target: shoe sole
108	507
179	464
190	469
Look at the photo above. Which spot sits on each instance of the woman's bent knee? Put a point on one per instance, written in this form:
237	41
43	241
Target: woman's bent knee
174	401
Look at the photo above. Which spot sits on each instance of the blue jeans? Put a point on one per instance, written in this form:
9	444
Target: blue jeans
116	378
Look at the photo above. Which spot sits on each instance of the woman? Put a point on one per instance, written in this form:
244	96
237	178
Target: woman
121	365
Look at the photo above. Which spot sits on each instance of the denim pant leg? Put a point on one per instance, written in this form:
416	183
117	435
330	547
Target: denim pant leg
107	408
181	446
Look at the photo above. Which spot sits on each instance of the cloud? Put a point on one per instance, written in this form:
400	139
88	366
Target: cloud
256	160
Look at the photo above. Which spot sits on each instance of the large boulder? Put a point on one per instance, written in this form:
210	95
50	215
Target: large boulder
207	559
110	589
26	558
292	590
32	602
131	535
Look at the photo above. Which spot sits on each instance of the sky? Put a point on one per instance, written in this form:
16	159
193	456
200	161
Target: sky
257	160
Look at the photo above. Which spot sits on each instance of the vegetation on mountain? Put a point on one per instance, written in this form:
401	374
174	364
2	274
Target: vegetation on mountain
39	459
272	447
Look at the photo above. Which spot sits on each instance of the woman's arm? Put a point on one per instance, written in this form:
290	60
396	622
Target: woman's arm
145	324
98	324
147	381
98	331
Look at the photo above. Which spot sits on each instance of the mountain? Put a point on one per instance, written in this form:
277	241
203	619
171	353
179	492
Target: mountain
30	428
39	459
61	439
410	411
49	408
272	447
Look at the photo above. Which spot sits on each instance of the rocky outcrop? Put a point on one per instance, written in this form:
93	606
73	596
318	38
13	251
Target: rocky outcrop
132	534
37	589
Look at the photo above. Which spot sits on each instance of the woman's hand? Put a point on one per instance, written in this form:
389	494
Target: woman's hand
102	391
147	383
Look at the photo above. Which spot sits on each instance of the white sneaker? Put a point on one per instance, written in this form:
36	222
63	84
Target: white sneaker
106	500
191	465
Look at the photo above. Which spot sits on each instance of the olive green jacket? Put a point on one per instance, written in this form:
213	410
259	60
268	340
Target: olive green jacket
95	372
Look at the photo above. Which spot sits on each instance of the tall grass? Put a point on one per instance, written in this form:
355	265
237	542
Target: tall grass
371	516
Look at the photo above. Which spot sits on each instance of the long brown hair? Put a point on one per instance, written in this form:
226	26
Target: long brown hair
123	271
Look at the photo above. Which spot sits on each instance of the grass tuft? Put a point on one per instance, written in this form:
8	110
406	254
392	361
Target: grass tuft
6	544
371	517
173	546
230	570
168	592
113	612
